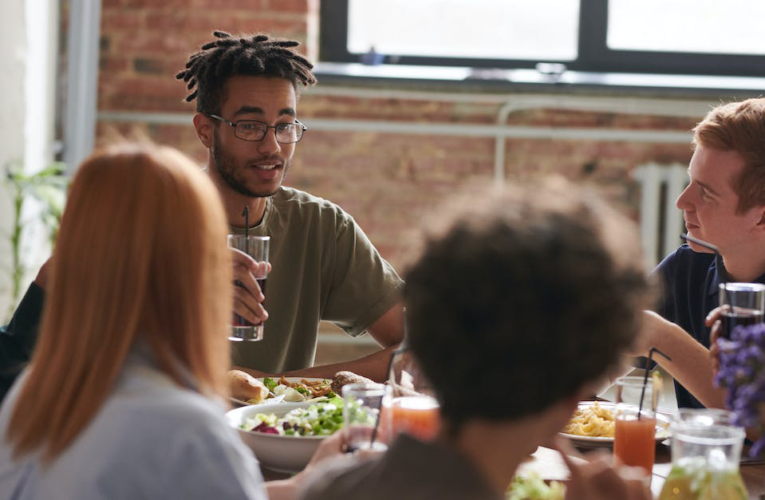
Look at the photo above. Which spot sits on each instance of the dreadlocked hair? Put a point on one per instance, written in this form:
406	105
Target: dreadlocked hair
252	55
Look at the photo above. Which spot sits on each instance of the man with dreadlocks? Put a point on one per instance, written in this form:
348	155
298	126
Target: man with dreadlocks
323	265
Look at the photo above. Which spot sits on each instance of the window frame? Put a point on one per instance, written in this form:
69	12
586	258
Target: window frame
593	52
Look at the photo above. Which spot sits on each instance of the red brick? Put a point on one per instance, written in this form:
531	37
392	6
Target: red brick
180	21
243	6
155	42
296	6
281	28
157	4
113	65
140	94
149	66
113	19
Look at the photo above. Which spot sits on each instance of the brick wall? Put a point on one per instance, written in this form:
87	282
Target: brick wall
384	180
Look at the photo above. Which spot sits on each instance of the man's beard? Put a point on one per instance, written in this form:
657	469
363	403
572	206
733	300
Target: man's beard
226	168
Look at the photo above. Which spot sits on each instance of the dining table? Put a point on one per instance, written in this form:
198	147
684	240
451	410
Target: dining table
547	464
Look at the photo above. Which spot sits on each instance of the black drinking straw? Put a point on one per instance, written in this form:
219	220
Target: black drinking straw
379	410
721	272
246	215
645	377
402	348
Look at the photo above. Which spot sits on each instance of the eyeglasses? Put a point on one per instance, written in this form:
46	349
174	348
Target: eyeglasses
254	131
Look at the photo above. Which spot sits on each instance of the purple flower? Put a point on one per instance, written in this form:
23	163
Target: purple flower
742	373
757	448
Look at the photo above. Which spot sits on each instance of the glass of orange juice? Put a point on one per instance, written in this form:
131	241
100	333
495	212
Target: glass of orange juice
635	433
413	408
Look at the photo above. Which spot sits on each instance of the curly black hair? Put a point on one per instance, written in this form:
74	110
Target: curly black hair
252	55
521	297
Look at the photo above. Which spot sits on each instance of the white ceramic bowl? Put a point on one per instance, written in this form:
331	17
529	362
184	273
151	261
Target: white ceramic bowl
278	453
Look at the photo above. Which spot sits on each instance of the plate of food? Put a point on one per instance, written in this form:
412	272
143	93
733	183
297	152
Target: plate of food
593	425
248	390
285	437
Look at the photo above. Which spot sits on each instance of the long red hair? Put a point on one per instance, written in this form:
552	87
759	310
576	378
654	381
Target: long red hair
141	256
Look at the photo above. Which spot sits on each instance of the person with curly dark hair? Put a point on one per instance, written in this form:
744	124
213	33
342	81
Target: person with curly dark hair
323	265
519	302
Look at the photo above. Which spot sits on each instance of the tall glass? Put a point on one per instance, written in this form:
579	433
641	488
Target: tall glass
257	248
635	425
706	449
742	304
413	407
361	414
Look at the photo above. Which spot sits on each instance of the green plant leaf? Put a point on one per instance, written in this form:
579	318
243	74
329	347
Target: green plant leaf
48	186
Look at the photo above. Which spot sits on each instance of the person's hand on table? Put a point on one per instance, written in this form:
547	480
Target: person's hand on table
248	297
335	446
330	447
594	477
713	320
329	452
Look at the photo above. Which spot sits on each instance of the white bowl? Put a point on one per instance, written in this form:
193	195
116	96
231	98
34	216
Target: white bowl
278	453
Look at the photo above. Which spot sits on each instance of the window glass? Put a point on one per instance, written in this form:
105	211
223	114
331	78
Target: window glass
692	26
481	29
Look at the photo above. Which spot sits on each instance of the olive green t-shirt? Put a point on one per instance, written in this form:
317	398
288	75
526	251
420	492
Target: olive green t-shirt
323	267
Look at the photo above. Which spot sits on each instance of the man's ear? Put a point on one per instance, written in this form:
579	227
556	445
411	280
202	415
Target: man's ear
760	215
205	129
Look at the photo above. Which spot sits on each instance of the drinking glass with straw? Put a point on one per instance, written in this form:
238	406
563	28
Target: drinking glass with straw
412	407
361	415
256	247
742	303
635	419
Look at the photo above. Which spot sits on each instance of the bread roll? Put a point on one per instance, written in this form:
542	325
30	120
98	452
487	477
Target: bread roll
245	387
345	378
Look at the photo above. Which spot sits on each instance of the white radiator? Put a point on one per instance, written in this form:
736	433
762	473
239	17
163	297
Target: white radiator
661	223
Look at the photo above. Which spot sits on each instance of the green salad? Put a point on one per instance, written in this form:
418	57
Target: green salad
532	487
321	419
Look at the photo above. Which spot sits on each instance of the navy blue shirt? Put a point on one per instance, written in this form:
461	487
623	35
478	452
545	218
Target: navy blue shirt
691	290
18	338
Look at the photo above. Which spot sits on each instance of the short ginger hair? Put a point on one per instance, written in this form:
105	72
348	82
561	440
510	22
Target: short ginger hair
739	127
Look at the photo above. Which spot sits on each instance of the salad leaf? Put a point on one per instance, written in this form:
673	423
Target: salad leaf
269	383
533	487
321	419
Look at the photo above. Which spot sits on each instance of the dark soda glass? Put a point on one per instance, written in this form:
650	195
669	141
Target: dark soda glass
243	330
738	316
238	320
